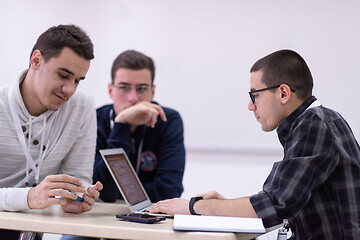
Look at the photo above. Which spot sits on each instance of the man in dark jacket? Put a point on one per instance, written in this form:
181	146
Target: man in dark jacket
151	135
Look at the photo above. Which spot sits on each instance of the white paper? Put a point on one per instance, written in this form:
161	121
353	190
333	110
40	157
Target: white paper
218	224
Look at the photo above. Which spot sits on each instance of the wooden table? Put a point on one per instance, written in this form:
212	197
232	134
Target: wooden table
101	222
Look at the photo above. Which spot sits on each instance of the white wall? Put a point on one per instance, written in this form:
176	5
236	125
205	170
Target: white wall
203	51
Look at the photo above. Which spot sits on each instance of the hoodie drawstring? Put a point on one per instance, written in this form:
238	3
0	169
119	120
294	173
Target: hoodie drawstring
29	160
41	153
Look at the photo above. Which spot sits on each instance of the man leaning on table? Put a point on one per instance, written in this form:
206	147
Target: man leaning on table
47	141
317	184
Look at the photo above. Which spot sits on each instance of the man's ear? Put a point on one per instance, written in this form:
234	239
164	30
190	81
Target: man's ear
35	59
152	91
285	92
110	89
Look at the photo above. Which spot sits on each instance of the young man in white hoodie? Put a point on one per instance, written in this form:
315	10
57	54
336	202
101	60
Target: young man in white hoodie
48	136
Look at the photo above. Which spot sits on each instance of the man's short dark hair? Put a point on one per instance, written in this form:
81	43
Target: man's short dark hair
286	66
52	41
133	60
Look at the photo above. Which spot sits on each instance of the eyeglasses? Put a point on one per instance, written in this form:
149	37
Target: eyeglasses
252	97
140	89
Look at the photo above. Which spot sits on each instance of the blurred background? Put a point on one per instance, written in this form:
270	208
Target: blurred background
203	51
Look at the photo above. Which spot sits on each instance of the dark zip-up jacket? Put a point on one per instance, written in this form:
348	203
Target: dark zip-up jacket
162	156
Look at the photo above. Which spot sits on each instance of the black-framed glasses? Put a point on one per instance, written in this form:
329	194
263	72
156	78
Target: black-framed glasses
252	97
140	89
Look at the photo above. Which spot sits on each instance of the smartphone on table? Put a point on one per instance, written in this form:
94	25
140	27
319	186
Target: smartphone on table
141	218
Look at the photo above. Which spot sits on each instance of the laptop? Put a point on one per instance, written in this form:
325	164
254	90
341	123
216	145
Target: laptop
127	181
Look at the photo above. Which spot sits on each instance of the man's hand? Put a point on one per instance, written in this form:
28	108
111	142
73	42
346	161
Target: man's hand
89	199
43	195
141	113
171	206
58	189
180	206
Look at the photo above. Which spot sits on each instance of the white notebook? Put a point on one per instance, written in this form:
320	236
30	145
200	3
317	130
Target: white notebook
218	224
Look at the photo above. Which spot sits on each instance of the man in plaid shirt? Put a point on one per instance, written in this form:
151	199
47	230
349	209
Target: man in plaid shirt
317	184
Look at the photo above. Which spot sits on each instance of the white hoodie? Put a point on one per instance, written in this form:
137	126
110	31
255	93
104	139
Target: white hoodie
69	140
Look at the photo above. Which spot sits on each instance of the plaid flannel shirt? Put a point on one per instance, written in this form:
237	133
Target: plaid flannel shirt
317	184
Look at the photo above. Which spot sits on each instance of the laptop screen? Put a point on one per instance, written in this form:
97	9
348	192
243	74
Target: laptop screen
125	177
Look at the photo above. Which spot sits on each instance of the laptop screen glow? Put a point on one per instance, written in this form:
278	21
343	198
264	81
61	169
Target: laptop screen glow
126	179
